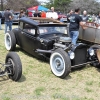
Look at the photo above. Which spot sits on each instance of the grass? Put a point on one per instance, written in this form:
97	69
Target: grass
38	82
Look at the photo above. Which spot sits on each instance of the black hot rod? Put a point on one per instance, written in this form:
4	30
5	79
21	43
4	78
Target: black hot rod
48	38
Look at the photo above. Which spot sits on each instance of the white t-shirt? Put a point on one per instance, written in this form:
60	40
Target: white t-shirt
53	15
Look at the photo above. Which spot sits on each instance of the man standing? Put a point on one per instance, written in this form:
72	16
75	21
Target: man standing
84	16
75	22
69	14
52	14
8	20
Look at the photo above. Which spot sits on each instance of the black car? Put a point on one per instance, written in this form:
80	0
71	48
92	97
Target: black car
2	17
47	38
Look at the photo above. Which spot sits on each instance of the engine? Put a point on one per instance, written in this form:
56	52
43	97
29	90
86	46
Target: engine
63	42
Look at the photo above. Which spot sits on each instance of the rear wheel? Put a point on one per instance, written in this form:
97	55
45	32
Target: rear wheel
60	63
10	41
15	67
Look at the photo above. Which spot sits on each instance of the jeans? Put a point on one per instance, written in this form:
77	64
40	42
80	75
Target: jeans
8	24
0	23
74	35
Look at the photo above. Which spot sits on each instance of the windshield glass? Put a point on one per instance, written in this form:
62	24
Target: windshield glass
53	29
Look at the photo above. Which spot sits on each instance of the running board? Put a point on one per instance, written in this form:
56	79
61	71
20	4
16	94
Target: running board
84	64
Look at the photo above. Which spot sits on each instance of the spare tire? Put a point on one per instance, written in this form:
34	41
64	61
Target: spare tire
15	68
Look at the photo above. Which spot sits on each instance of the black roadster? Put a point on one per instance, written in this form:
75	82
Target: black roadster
12	67
47	38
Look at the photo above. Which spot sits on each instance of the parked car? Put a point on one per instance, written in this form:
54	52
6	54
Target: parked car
47	38
16	17
62	17
30	13
2	17
12	66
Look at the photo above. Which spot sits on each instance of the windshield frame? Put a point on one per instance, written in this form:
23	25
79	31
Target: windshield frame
52	26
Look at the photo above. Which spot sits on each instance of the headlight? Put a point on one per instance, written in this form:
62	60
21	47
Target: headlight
91	52
71	54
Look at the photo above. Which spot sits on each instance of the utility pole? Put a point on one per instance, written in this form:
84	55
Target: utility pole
1	4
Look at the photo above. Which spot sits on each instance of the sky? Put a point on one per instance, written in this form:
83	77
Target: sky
98	0
43	0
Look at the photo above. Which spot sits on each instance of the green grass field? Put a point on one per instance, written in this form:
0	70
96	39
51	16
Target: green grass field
38	82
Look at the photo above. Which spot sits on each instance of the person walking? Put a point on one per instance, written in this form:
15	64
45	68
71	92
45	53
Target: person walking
75	22
8	20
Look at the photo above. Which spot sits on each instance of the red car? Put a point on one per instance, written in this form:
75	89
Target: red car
64	17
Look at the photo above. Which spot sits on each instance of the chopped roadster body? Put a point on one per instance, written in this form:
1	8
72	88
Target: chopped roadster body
48	38
12	66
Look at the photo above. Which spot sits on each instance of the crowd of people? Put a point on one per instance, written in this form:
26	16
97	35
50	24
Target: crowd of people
8	16
74	19
49	14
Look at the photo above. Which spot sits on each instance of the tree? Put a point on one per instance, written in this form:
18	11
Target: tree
62	5
65	5
59	4
17	4
2	2
90	5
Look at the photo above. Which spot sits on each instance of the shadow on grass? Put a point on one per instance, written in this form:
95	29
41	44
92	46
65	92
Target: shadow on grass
41	59
22	79
3	78
98	69
67	77
76	69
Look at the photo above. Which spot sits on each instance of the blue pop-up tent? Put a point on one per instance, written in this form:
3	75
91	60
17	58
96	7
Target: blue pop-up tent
40	8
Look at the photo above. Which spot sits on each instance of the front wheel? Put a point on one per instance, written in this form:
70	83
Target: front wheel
60	63
15	67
